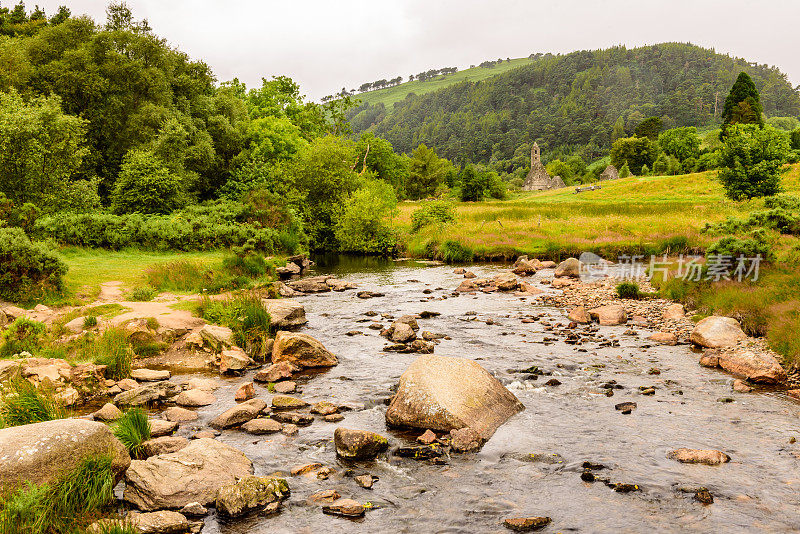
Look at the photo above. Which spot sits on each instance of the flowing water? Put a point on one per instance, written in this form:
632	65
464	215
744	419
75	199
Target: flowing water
758	491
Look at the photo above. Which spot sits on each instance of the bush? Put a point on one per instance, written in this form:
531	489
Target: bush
28	270
133	429
111	350
22	335
749	247
628	290
625	171
66	506
146	185
22	403
437	212
364	226
143	294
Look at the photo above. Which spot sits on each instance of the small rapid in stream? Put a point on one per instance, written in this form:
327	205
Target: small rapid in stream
532	465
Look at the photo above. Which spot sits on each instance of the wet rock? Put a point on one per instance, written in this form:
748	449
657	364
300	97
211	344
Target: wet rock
305	469
610	315
289	429
324	408
444	394
465	440
193	474
674	311
108	412
324	496
704	496
459	270
469	274
526	524
506	282
160	427
249	493
39	452
402	333
194	398
365	481
625	407
741	386
149	375
430	336
234	359
194	509
665	338
285	313
553	382
163	445
759	367
289	270
285	386
579	315
334	418
425	452
467	286
524	267
286	291
427	437
204	434
276	371
241	413
315	284
369	294
344	508
699	456
284	402
301	350
262	426
569	268
293	418
179	415
206	384
709	360
217	337
358	444
148	393
715	332
162	522
127	384
245	392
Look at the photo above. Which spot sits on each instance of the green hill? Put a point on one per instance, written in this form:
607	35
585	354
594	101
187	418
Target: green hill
570	102
390	95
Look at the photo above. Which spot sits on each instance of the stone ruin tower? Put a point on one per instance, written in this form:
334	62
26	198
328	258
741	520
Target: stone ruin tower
538	179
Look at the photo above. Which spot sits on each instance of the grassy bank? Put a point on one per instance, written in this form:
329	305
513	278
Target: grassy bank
642	214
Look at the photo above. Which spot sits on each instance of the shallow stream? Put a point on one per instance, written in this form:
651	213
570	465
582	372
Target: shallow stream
564	425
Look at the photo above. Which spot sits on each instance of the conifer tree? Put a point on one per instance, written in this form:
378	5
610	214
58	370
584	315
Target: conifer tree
743	105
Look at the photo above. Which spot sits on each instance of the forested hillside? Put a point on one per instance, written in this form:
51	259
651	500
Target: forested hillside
584	99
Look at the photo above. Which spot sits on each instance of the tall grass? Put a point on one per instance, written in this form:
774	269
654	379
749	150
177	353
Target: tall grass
133	429
66	506
22	403
246	316
22	335
186	276
112	350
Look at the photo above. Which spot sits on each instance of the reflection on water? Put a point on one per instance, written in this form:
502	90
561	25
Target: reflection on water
567	424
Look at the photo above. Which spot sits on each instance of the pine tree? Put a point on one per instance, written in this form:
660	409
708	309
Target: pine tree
743	105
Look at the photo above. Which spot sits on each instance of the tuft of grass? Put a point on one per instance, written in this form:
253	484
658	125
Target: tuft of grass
143	294
145	350
246	316
628	290
452	251
112	350
22	403
133	429
90	321
66	506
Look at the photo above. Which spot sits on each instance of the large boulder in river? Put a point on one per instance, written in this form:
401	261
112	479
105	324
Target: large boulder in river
579	315
441	393
523	266
249	493
147	394
506	282
40	452
314	284
193	474
569	268
301	350
285	313
715	332
758	367
238	414
610	315
358	444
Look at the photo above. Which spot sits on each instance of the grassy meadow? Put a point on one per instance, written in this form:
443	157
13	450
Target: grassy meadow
631	214
390	95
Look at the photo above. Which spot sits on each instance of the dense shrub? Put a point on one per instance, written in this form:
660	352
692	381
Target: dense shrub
143	294
27	269
628	290
364	225
437	212
454	252
22	335
146	185
752	159
749	247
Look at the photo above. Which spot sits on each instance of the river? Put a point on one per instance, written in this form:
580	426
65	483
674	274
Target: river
562	426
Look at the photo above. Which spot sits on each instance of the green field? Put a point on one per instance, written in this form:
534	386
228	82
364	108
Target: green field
629	214
390	95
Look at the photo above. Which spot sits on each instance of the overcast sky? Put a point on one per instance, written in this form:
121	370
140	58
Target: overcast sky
327	44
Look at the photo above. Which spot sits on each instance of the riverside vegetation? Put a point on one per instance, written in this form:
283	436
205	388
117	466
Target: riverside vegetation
151	216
